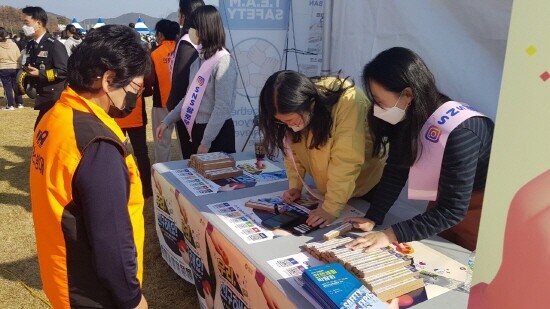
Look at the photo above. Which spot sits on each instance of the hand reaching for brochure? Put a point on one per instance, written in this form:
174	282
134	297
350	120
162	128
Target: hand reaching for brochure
319	217
160	130
202	149
373	240
364	224
291	195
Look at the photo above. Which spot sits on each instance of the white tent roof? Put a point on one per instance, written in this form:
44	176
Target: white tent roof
99	23
141	27
77	25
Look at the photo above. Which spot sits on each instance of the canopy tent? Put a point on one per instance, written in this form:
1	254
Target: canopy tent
99	23
141	27
75	23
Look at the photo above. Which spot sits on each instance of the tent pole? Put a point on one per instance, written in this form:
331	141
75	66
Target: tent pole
327	30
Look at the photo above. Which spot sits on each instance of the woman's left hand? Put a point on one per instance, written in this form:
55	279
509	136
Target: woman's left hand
373	240
319	217
202	149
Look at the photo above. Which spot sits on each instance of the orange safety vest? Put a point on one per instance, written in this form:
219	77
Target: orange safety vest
59	141
161	60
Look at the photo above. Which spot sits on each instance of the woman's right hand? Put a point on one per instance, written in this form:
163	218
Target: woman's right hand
361	223
291	195
160	130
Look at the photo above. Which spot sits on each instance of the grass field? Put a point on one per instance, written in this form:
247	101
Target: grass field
20	285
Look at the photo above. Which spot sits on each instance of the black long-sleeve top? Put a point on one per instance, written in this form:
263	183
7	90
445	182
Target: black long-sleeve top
463	170
186	55
101	189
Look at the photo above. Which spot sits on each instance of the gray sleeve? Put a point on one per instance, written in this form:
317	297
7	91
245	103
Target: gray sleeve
225	81
174	115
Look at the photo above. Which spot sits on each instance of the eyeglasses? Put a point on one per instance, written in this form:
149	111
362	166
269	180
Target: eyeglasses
289	122
140	87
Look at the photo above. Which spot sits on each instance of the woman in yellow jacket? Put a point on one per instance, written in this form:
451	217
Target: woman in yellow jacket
323	121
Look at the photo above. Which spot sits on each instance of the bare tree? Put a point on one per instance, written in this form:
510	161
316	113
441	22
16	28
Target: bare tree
12	19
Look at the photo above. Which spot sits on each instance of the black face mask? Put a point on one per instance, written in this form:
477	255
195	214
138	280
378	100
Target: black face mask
130	100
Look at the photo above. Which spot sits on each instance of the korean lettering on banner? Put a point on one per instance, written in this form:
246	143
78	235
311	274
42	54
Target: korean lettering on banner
171	242
171	238
193	249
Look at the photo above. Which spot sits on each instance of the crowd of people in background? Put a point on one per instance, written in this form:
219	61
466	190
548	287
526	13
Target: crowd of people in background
11	60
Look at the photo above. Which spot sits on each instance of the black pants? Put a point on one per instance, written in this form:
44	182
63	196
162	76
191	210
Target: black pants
225	141
182	133
9	82
138	138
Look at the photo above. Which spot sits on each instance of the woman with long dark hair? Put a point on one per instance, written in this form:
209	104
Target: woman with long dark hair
181	59
208	104
320	125
442	147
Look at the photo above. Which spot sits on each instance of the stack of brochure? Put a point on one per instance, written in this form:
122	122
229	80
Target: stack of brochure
214	165
334	287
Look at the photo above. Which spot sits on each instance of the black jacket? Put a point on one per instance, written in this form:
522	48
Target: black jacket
50	58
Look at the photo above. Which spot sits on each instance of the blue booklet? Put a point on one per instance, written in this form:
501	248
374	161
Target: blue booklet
335	287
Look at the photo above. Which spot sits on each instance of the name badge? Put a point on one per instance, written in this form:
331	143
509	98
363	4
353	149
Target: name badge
43	53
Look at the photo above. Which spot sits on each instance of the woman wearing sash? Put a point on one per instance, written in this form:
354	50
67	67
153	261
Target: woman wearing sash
208	104
442	147
320	125
182	58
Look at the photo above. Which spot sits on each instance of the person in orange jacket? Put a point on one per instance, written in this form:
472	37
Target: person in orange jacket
166	34
134	125
86	197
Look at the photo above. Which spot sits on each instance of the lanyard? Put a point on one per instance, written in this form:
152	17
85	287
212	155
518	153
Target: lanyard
291	156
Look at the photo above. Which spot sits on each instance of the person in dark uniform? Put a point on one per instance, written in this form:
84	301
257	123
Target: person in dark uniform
45	60
184	55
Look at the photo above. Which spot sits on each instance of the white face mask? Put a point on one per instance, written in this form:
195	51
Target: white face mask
304	124
28	30
392	115
193	36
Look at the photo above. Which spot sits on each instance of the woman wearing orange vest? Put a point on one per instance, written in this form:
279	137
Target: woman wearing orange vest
86	194
165	35
134	125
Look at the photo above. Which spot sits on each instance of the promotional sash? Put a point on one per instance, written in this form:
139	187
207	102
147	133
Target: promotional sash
197	86
424	174
175	52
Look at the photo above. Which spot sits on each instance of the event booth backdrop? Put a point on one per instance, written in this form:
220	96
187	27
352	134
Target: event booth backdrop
463	43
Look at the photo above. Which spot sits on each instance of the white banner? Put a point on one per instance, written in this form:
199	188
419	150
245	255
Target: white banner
257	35
462	42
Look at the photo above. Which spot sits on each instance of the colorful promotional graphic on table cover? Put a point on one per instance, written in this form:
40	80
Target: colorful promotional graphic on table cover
200	254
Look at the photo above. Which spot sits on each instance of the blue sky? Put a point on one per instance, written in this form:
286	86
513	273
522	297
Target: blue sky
82	9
